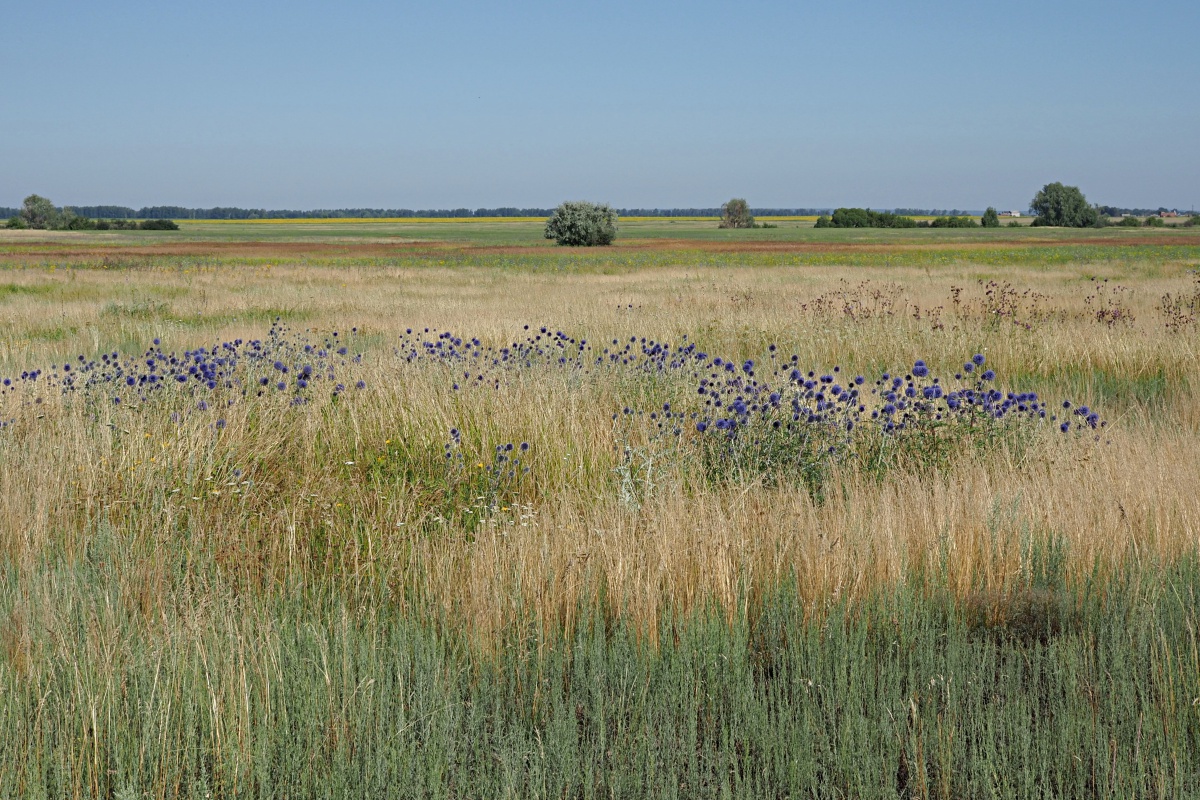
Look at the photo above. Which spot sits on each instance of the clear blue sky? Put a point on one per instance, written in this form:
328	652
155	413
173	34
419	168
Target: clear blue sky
447	104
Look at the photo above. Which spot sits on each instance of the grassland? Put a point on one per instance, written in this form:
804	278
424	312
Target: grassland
205	591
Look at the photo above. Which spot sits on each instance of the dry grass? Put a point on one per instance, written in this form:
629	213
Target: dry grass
309	515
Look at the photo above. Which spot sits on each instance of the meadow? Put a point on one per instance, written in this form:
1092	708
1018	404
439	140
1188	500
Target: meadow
425	509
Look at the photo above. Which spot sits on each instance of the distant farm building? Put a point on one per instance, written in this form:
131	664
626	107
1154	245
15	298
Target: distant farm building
1010	213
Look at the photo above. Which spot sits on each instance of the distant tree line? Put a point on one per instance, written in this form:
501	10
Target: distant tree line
930	212
39	213
1114	211
233	212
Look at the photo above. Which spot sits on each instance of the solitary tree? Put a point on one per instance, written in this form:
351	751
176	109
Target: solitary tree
736	214
38	212
1063	206
990	218
582	224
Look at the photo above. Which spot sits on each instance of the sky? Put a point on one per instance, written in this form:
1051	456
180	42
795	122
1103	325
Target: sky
451	104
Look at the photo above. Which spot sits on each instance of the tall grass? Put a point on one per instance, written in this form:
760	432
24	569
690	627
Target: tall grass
353	596
1092	694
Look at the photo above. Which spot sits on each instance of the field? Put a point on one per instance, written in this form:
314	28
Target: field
422	509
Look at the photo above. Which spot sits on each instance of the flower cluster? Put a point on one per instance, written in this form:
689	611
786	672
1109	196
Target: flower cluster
770	416
207	377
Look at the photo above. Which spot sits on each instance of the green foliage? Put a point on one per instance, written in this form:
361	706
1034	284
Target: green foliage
990	218
1063	206
806	455
1155	222
582	224
1130	222
460	486
736	214
70	221
158	225
1013	224
823	221
866	218
956	222
38	212
1003	692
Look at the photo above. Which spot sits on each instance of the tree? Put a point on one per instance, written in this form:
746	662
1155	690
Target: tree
990	218
582	224
1063	206
38	212
736	214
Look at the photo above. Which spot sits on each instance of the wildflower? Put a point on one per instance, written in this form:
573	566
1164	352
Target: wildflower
919	369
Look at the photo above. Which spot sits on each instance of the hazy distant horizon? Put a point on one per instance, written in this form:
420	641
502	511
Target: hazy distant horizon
469	104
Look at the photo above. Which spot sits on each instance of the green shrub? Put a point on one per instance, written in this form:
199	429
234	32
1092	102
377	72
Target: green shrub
866	218
1154	222
956	222
582	224
16	223
1130	222
823	221
158	225
990	218
69	221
